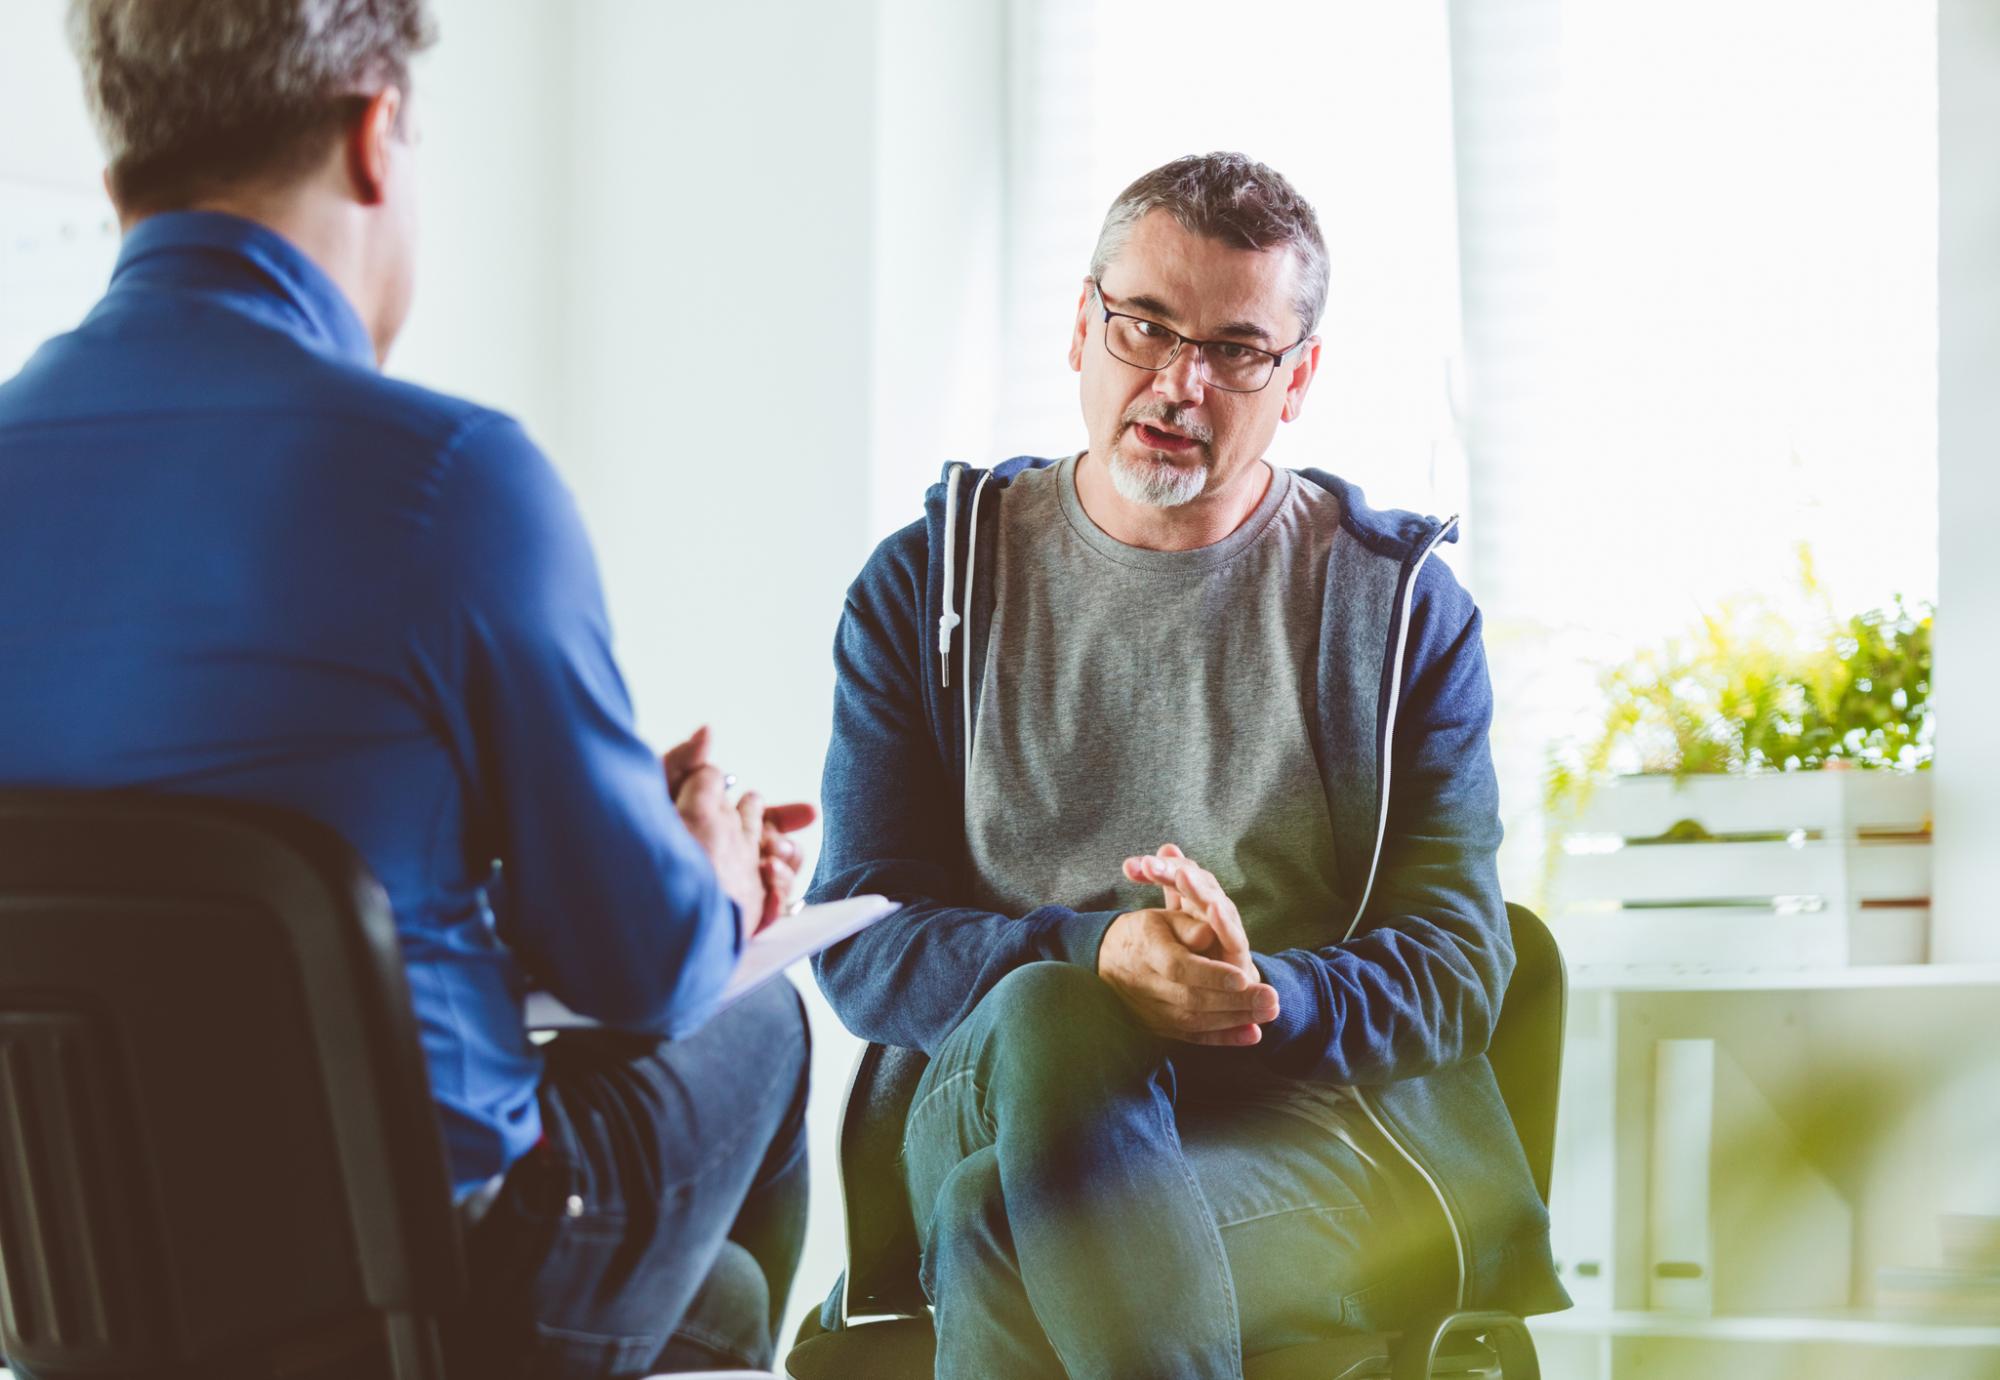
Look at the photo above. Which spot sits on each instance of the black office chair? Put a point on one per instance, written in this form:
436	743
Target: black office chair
218	1153
884	1330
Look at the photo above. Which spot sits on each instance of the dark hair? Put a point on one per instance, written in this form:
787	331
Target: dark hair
194	97
1231	198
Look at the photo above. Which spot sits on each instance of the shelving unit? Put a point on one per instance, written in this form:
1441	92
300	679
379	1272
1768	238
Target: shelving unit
1699	979
1889	1077
1847	1329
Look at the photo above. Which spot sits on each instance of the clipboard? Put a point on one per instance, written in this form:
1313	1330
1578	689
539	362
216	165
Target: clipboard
770	951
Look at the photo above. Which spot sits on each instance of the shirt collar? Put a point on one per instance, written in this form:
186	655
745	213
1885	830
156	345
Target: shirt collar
215	251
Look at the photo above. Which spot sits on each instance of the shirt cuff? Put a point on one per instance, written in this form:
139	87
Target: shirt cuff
1296	1016
1076	936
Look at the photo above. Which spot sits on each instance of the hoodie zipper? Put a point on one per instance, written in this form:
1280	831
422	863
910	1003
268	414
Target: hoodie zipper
1381	830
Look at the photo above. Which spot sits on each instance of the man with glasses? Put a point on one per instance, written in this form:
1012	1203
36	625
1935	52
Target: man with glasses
1179	763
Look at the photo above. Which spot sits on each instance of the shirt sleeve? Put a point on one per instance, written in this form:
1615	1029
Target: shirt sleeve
611	904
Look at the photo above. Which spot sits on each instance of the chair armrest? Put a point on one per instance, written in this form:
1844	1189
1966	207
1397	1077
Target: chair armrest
1504	1334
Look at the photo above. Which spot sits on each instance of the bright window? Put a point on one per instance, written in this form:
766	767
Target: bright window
1648	291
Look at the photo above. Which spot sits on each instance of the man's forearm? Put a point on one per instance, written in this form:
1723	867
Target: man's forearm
910	980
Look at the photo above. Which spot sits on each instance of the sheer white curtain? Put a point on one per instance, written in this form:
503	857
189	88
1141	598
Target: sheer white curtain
1690	251
1701	313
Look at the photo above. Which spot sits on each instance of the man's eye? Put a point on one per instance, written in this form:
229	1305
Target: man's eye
1148	329
1230	354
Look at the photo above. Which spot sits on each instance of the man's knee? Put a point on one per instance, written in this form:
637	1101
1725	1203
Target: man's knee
1051	996
1057	1021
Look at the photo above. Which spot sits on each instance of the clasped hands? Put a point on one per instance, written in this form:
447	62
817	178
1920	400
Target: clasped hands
745	840
1184	969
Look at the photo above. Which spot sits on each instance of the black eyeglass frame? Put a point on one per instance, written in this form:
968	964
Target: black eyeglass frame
1277	357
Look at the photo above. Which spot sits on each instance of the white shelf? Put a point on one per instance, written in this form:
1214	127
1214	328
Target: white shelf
1845	1329
1600	977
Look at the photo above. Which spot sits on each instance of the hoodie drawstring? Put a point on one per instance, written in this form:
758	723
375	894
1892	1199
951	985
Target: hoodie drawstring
948	617
971	569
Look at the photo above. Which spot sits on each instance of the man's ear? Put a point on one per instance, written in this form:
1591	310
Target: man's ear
1299	378
1081	333
367	146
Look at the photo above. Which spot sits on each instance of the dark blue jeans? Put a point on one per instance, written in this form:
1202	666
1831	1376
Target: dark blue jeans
658	1225
1095	1201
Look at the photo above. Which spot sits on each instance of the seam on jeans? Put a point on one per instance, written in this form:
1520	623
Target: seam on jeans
571	1334
720	1345
1331	1208
797	1155
1222	1271
947	1082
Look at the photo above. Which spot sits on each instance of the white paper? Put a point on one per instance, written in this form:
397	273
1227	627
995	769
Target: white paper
771	951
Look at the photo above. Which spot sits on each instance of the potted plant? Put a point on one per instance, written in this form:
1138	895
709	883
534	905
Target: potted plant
1755	796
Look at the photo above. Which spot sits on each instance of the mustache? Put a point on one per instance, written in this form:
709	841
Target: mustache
1173	415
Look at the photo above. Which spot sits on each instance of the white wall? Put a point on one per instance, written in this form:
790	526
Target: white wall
782	285
940	189
493	120
716	367
59	237
1965	918
45	134
1966	913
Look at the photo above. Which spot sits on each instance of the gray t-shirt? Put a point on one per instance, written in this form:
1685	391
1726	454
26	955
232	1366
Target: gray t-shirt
1133	698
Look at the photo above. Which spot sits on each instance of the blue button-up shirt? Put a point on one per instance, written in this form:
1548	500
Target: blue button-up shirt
236	561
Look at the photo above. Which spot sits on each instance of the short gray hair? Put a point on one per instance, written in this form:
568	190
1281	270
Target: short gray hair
195	96
1227	197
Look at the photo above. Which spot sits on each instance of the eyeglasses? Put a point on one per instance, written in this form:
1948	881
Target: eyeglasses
1226	364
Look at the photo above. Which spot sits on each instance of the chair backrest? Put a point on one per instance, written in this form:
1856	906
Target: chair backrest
882	1246
220	1154
1527	1043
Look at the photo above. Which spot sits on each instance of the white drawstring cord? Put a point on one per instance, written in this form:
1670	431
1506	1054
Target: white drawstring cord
948	618
971	569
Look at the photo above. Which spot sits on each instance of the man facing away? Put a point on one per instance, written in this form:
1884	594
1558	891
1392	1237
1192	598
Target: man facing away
1179	762
236	561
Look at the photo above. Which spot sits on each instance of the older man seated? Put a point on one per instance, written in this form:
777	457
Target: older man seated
1179	763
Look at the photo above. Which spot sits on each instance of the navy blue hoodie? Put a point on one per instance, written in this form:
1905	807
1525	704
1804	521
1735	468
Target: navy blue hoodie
1399	1001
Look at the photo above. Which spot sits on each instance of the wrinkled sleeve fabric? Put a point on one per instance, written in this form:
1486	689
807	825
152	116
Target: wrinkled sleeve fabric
609	902
895	826
1418	986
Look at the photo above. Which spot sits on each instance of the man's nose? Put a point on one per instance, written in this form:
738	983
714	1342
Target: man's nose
1181	381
